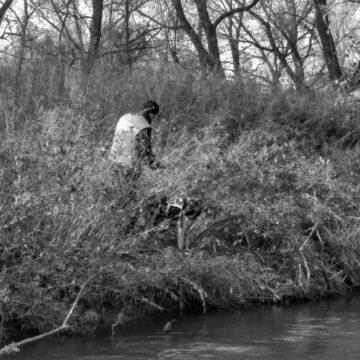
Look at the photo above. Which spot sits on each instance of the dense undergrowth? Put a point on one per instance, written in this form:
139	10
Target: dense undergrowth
278	177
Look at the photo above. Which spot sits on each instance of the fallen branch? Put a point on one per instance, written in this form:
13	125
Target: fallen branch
152	304
15	347
120	320
321	242
336	274
306	267
314	228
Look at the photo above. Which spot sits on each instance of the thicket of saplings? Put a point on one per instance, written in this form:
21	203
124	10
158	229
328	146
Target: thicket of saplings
277	176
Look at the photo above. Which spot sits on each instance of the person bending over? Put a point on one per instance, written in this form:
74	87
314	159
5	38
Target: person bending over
131	145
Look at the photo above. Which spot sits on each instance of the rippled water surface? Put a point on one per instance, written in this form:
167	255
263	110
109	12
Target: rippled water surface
327	330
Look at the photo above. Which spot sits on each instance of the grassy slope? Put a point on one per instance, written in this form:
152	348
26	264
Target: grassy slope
278	178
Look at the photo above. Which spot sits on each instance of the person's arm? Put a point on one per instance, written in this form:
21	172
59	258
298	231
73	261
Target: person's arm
144	148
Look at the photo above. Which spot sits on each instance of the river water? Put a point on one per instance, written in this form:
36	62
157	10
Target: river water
322	330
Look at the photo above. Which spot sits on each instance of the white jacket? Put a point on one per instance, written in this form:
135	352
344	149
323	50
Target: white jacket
122	150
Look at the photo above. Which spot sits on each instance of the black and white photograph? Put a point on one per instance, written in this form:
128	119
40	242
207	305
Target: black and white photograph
180	179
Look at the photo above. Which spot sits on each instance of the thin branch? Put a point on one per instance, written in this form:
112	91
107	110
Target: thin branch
234	11
161	24
314	229
82	289
14	347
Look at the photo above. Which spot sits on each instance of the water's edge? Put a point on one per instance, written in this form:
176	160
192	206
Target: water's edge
315	330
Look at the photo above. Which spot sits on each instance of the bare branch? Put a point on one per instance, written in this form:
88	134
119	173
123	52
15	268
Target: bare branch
234	11
4	8
14	347
161	24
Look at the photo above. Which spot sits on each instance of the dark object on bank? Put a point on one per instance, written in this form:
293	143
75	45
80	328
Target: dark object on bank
153	212
179	215
192	208
185	212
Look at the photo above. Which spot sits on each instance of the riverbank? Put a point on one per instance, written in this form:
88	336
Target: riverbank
278	178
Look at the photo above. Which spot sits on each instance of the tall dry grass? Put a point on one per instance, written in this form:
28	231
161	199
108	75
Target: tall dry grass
277	177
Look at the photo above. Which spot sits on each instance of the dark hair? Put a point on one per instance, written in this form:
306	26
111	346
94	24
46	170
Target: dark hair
151	107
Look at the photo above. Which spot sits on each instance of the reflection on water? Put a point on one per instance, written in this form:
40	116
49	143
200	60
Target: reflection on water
317	331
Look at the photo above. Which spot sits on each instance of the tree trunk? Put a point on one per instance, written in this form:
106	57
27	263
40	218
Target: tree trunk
355	79
127	34
235	54
204	56
327	41
4	7
173	50
211	38
213	45
21	53
95	35
234	41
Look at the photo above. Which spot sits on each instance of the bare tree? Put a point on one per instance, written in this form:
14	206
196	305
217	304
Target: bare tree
281	55
95	35
210	56
289	36
266	57
327	41
65	17
233	26
127	14
21	52
173	44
